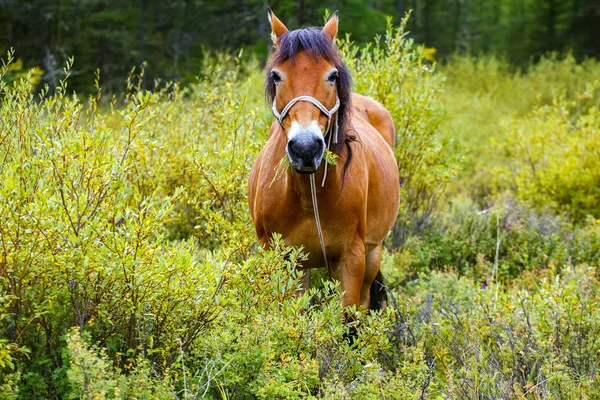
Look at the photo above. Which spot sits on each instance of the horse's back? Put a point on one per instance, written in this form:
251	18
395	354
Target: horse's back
377	115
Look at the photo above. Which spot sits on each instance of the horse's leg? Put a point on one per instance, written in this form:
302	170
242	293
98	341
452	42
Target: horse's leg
350	271
263	241
371	270
305	284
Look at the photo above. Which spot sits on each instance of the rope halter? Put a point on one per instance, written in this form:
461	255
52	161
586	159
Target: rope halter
328	113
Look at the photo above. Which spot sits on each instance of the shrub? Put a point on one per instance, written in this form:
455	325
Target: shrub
9	375
553	158
92	376
492	343
519	240
483	95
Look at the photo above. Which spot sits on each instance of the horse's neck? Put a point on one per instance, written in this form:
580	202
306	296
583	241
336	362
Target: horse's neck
299	184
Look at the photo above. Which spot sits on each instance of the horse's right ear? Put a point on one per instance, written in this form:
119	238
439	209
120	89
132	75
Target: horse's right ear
331	27
278	28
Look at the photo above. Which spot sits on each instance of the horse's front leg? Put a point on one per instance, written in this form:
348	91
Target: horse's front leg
350	271
305	282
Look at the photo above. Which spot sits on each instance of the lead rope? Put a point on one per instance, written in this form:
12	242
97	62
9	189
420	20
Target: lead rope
313	192
335	128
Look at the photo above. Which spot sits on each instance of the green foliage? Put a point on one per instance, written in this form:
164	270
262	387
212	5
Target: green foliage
492	343
92	375
129	267
515	248
83	236
9	376
486	102
518	239
553	157
114	35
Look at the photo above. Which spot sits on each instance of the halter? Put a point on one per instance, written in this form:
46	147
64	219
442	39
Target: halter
329	114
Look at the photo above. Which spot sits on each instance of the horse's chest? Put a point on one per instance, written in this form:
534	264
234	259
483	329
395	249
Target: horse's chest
305	234
299	228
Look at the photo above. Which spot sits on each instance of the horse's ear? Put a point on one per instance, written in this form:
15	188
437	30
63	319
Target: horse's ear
331	27
278	28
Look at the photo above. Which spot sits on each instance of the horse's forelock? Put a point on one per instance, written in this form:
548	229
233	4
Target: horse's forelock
314	42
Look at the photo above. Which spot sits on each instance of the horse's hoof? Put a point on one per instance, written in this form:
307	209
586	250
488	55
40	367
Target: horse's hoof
351	335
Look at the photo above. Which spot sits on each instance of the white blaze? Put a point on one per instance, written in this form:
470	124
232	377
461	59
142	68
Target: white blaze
312	128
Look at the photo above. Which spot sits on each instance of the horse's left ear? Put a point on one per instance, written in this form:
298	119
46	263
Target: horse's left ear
331	27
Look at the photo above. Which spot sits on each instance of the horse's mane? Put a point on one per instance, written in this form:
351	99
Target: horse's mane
317	44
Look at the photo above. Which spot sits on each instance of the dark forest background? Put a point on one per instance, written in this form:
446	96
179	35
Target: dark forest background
174	36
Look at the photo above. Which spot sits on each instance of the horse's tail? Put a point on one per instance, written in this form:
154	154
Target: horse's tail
378	291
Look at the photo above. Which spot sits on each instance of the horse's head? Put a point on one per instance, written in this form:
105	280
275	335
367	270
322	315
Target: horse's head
309	87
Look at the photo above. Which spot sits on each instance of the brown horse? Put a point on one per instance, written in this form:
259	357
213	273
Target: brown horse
309	87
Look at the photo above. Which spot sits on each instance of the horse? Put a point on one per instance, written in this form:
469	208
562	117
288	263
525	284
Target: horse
319	121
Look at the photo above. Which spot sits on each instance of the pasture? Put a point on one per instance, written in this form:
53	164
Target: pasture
129	267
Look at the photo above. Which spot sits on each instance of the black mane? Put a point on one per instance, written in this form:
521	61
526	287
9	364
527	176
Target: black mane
317	44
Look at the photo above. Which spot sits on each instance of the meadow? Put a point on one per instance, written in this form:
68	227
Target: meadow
129	267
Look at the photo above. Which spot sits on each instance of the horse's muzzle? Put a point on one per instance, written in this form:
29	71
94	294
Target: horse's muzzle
305	152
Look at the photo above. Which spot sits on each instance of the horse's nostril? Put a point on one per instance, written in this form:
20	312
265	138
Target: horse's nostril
318	146
312	147
293	148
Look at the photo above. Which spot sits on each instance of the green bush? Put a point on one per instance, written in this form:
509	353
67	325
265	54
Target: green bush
483	95
510	241
488	342
552	156
9	375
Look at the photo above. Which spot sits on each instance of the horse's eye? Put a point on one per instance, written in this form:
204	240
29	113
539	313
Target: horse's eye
332	78
276	77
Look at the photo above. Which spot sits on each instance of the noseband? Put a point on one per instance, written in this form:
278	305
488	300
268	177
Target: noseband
328	113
